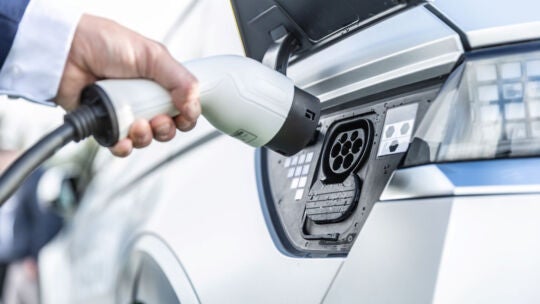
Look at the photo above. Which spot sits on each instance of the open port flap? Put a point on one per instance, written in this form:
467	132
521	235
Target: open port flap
312	22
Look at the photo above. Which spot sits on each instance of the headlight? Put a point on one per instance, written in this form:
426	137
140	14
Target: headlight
489	108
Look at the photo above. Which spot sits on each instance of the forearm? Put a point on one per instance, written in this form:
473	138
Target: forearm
35	62
56	53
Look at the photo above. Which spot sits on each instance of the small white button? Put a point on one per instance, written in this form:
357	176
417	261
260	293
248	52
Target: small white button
298	194
486	72
294	160
488	93
303	181
287	162
309	157
510	70
305	170
294	183
301	159
298	171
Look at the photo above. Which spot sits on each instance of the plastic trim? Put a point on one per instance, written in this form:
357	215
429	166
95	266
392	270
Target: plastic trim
462	35
271	217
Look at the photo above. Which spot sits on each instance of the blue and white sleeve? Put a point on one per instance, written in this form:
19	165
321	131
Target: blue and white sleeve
41	33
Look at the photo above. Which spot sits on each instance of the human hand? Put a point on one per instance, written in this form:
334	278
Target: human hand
102	49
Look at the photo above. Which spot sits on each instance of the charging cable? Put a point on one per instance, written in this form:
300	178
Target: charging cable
94	117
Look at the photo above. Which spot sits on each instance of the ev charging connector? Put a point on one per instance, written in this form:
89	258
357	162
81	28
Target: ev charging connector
239	96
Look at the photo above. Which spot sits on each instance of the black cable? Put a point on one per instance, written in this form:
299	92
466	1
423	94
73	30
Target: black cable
33	158
95	117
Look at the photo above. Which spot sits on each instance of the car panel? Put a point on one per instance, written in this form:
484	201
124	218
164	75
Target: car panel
153	274
396	257
487	23
445	250
384	56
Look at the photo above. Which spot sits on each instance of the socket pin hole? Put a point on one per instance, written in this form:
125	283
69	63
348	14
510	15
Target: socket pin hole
343	138
346	148
357	144
337	163
348	161
354	135
335	150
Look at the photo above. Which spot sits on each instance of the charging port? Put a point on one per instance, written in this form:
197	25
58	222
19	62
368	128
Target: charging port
346	148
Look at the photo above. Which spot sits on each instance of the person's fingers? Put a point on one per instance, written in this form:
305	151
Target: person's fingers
186	100
140	133
190	110
103	49
170	74
122	148
163	128
184	125
158	64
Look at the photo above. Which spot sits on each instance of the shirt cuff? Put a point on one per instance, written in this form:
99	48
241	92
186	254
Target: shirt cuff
35	63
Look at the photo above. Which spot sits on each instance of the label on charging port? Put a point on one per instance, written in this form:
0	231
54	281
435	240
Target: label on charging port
397	131
244	136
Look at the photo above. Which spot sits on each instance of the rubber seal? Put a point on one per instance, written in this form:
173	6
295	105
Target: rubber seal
108	133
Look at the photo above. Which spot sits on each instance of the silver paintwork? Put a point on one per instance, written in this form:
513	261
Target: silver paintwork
448	250
152	246
488	22
491	251
396	257
407	48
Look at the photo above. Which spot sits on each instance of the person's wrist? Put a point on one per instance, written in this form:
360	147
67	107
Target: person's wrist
35	63
104	49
